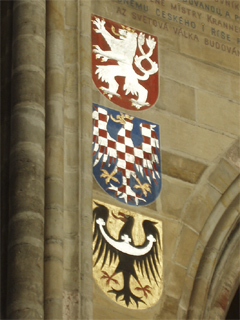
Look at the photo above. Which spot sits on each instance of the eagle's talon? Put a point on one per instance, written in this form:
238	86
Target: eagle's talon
145	290
109	176
109	278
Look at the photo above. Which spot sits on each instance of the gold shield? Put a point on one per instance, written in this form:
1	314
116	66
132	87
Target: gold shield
127	255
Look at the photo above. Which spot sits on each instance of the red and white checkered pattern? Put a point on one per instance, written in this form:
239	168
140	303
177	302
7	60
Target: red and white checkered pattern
144	156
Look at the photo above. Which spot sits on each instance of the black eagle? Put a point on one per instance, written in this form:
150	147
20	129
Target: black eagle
145	256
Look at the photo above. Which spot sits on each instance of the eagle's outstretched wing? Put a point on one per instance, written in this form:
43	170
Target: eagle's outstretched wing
150	261
101	246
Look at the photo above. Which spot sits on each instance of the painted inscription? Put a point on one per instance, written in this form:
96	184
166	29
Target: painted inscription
127	256
214	24
124	64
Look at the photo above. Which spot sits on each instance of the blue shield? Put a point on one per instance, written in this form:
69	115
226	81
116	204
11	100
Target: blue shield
126	156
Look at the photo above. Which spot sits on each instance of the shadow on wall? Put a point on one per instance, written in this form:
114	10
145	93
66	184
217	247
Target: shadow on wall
234	310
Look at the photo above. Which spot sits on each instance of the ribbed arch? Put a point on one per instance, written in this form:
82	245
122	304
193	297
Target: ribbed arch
216	256
217	262
225	280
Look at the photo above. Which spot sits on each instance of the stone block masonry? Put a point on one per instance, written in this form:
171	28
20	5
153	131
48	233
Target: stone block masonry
48	185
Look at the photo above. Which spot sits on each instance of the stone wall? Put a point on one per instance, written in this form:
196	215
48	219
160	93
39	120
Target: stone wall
47	181
198	114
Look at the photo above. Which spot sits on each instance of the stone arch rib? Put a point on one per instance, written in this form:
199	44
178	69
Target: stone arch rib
202	292
216	258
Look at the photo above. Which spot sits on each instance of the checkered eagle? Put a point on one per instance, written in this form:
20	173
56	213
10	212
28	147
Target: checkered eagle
126	156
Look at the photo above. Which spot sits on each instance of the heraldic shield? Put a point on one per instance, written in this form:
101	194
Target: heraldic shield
127	256
124	64
126	156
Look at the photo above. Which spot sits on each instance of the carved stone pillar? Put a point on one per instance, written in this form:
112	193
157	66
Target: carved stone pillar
53	266
27	158
6	61
85	124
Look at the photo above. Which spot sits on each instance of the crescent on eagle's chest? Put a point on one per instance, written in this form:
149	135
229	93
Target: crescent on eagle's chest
125	246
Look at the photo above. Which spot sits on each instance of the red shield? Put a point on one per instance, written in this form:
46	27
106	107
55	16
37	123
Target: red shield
124	64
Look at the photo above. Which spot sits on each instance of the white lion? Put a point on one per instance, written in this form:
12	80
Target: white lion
123	50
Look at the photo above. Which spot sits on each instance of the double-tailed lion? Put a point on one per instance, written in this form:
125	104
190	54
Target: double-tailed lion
123	50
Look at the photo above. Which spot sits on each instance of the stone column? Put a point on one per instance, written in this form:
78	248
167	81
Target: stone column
27	150
71	288
86	178
53	267
6	61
